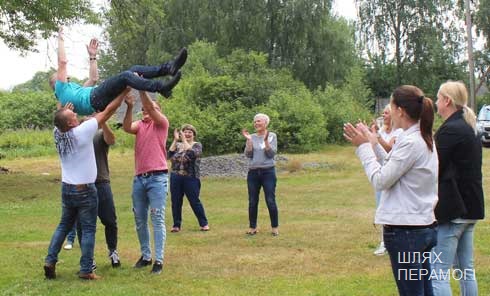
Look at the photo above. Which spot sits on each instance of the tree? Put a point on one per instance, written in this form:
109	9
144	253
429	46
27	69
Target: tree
23	22
298	34
482	19
409	32
39	82
482	58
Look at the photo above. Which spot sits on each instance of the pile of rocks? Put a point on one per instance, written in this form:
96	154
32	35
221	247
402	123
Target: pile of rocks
231	165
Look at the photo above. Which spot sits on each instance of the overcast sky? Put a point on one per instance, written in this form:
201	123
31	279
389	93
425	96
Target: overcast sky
17	69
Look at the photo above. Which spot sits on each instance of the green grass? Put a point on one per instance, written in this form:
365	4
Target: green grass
325	246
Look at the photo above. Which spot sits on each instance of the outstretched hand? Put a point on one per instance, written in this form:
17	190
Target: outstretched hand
92	47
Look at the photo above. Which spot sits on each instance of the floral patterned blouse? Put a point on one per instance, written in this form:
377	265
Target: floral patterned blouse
186	162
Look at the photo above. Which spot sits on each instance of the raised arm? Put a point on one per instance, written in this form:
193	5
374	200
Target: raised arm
103	116
93	74
108	135
128	125
62	61
155	114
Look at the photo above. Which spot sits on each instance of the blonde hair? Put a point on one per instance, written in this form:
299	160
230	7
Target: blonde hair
457	93
264	116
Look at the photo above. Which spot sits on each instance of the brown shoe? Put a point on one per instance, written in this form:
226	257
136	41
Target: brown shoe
175	229
252	231
89	276
50	271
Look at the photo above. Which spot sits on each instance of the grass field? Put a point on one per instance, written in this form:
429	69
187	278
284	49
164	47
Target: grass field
325	246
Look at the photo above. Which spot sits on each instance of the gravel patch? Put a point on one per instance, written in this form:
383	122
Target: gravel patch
231	165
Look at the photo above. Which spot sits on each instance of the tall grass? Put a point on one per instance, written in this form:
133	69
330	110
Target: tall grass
324	248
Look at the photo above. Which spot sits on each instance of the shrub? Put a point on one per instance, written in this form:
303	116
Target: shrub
26	110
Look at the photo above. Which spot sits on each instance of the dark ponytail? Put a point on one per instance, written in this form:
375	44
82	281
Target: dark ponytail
427	121
418	107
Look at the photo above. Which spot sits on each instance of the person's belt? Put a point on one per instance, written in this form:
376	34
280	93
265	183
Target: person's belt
182	172
151	173
79	187
410	227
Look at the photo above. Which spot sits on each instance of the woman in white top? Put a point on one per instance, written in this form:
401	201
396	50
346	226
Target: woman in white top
386	137
407	179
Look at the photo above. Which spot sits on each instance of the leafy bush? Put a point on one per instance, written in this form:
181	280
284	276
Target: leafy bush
346	104
26	110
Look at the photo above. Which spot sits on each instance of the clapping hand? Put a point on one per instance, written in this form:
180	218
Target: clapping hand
246	134
182	137
355	135
176	134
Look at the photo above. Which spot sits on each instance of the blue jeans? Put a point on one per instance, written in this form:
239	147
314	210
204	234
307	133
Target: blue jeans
455	246
81	203
410	256
110	88
265	178
70	238
107	215
191	187
150	194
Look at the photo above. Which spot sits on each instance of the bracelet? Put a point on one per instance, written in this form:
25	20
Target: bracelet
93	59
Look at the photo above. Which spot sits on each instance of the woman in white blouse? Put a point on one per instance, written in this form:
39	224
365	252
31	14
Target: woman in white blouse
407	179
386	138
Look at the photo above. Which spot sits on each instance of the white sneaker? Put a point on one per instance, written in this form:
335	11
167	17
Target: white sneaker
381	250
68	246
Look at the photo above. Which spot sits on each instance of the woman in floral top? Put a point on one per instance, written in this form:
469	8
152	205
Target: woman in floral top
185	155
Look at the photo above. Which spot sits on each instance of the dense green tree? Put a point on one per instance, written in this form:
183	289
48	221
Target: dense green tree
23	22
298	34
422	40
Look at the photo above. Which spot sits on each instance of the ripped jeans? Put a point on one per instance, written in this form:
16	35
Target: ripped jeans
150	195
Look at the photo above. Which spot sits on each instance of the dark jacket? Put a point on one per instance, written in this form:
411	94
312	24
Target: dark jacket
460	176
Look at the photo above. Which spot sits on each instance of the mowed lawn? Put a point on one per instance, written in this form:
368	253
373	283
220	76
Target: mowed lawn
325	246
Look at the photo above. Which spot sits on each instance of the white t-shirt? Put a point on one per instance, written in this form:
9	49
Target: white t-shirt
388	136
80	167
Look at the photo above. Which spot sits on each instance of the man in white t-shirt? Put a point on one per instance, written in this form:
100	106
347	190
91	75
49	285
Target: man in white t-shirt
78	193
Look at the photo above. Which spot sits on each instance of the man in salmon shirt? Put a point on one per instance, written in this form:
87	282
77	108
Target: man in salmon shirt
150	182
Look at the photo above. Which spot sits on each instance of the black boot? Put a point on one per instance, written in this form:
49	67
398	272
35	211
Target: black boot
167	86
178	62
